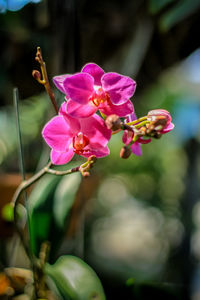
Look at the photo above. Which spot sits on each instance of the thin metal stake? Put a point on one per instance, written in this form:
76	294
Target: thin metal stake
20	150
23	174
20	147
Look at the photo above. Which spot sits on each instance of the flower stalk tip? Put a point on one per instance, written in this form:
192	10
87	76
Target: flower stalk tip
43	79
125	152
85	168
113	122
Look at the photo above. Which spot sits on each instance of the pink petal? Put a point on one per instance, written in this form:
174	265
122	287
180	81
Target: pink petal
78	110
121	110
98	152
160	112
120	88
144	141
127	137
57	134
95	71
168	128
61	158
136	149
131	117
58	81
73	122
79	87
94	128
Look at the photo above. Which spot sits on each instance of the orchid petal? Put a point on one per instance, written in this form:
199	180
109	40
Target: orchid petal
121	110
131	117
61	158
127	137
120	88
144	141
168	128
136	149
160	112
58	81
78	110
95	71
94	128
57	134
98	152
73	122
79	87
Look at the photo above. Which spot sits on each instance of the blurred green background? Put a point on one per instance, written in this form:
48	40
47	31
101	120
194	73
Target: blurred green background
141	228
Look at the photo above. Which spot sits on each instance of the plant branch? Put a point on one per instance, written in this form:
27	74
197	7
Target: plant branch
60	173
44	81
137	121
84	168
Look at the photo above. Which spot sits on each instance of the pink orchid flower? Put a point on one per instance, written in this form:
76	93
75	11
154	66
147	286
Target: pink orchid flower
153	115
93	89
129	135
67	135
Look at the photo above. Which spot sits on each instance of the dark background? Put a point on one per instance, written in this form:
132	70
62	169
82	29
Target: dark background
148	41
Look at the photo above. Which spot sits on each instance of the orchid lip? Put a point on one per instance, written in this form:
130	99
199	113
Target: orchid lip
80	141
99	97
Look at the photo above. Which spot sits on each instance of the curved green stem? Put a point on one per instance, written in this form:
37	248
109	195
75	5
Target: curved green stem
137	121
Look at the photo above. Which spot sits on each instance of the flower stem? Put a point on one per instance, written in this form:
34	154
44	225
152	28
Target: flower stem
45	81
137	121
137	124
27	183
59	173
15	201
141	124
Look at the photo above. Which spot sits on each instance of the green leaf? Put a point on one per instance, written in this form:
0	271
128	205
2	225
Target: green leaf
7	212
40	211
179	12
49	207
155	6
64	197
74	279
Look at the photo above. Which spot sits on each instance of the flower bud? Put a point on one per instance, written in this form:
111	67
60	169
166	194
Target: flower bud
140	131
36	74
85	174
92	158
113	122
125	152
160	116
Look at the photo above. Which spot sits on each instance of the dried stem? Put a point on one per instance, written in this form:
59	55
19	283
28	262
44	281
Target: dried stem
137	121
131	125
84	168
60	173
44	81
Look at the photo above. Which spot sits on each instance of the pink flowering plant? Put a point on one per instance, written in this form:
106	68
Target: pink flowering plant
92	89
67	135
95	106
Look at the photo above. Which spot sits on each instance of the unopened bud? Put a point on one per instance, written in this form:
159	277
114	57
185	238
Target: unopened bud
140	131
158	121
125	152
36	74
92	158
113	122
85	174
158	114
157	135
153	132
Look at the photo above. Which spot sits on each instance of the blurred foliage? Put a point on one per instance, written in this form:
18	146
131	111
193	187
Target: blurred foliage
49	205
74	279
143	220
174	11
32	117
